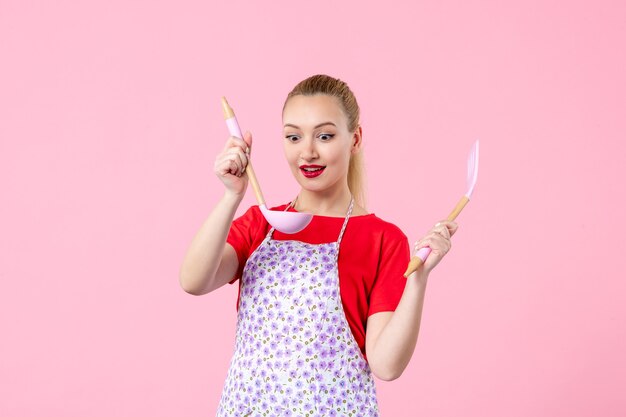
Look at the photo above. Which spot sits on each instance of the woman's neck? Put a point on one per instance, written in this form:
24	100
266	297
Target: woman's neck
332	203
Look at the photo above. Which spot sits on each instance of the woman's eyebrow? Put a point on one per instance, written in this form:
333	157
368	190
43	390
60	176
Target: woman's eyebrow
319	125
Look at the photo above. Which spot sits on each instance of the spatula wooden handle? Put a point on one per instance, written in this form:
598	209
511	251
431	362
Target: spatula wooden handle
459	206
416	261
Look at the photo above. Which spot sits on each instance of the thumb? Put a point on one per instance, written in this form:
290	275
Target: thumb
247	137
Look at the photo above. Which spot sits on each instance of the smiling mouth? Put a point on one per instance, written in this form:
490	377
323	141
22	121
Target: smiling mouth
312	171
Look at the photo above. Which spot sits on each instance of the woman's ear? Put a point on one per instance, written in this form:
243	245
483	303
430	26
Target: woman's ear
357	139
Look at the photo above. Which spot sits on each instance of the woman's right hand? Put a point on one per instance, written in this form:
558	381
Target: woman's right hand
230	164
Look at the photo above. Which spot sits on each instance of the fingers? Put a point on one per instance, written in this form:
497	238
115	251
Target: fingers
233	161
234	158
438	238
240	156
446	228
441	229
234	141
434	241
439	242
247	137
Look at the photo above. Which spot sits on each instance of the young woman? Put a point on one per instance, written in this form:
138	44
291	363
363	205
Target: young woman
321	310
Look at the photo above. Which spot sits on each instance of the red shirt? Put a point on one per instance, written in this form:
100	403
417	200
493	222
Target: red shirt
373	255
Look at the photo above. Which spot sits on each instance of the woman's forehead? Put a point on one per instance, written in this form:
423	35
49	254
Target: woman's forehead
310	111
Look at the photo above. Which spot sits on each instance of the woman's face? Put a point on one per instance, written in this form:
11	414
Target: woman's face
317	142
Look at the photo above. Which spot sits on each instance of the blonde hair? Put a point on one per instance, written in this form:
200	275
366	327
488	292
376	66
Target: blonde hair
325	84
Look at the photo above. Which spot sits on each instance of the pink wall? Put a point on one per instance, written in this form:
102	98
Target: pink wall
109	124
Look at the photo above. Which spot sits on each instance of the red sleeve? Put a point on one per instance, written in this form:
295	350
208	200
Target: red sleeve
241	235
389	284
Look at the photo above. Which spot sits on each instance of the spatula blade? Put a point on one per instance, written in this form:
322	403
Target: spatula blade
472	169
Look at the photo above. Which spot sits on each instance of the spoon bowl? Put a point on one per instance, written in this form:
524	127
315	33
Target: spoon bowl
288	222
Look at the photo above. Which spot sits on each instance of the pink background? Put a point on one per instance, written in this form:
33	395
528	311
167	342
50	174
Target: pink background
109	125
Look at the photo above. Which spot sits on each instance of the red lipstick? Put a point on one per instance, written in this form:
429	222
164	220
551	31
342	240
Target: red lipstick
311	171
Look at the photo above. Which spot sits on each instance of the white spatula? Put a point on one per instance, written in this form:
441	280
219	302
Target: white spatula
472	175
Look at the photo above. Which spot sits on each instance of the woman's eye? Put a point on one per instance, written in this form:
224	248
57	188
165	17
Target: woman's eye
291	138
325	136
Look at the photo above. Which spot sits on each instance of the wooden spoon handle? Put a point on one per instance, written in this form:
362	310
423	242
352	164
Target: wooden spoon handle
233	128
254	183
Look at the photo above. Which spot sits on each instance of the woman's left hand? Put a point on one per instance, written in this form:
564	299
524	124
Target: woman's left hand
438	239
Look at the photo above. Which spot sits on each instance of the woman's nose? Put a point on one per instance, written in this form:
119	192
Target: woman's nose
308	150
